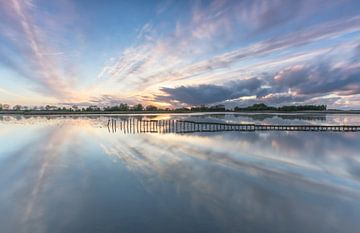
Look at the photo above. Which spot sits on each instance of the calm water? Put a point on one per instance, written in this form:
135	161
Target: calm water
69	174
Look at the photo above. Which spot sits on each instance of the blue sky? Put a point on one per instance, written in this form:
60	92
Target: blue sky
180	53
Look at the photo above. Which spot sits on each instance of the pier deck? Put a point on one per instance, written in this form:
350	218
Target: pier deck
184	126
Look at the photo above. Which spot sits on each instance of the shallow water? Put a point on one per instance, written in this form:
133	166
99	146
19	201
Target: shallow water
70	174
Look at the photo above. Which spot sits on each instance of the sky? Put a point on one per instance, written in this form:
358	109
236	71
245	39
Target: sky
180	53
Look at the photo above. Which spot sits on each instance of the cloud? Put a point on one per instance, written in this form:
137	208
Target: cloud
283	151
101	101
163	6
356	55
225	17
357	51
291	85
207	93
320	32
281	98
32	48
262	15
177	58
320	79
14	64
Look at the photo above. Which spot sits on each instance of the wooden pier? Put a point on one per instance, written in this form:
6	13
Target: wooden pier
132	126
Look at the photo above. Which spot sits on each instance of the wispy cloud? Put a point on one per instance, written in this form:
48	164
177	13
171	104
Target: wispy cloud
34	56
160	63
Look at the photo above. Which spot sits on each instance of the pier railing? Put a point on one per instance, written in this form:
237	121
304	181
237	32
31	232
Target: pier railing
133	125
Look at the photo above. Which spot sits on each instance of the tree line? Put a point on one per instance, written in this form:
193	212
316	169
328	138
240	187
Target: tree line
286	108
123	107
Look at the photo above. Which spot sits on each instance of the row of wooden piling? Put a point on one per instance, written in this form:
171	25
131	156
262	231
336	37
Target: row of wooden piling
133	125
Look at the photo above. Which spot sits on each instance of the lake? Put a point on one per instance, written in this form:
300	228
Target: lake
72	174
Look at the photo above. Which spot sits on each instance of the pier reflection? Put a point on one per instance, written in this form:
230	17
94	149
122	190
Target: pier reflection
68	174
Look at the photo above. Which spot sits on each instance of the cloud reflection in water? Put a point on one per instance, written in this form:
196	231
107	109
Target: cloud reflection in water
73	175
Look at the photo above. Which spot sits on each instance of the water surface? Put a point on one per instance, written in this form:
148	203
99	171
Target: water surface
70	174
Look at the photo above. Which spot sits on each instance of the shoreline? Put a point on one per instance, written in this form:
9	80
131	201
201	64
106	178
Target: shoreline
47	113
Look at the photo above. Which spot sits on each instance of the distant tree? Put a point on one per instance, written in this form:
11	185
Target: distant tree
286	108
151	108
92	108
201	108
17	107
290	108
121	107
260	107
218	108
50	108
5	107
256	107
1	107
124	107
183	109
138	107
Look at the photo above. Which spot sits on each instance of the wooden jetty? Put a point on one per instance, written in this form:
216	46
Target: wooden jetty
133	125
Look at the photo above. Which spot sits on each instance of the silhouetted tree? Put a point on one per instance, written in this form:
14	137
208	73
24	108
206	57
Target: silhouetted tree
288	108
151	108
138	107
5	107
17	107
